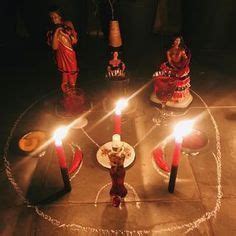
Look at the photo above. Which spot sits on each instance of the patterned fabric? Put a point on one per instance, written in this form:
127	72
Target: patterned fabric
180	76
116	72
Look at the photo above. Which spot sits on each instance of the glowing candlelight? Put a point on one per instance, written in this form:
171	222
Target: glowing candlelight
181	129
58	136
120	105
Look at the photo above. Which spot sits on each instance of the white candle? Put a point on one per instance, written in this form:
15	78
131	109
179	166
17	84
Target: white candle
116	142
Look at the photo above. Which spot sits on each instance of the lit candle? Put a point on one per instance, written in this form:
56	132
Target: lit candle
117	124
182	129
58	136
120	105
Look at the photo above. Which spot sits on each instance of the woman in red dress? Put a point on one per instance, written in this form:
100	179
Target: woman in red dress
62	38
178	56
116	67
175	72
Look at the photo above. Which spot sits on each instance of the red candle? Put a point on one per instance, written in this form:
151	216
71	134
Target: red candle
181	129
176	153
120	105
61	155
175	163
117	124
58	136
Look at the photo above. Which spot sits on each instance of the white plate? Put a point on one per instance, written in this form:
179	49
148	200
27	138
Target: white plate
103	158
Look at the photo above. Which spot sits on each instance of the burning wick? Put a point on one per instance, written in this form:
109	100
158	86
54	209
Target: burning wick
58	136
120	105
181	129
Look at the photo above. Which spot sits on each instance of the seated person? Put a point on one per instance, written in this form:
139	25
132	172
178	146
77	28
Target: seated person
176	69
115	68
178	60
176	55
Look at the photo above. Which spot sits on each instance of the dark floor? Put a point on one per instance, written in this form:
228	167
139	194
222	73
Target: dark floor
28	75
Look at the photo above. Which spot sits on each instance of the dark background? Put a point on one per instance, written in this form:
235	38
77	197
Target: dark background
205	23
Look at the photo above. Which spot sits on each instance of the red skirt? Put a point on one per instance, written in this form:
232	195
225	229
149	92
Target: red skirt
66	59
180	76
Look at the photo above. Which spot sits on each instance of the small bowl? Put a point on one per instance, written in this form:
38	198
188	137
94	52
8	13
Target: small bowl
30	141
195	142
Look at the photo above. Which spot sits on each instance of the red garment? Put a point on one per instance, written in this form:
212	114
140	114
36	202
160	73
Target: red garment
164	87
66	60
167	77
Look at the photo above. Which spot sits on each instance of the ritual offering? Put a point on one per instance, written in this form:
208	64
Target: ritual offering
176	70
120	148
118	190
115	68
115	74
62	37
31	141
158	156
195	142
116	78
117	171
77	160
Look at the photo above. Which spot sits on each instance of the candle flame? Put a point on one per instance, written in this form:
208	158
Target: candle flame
120	105
182	129
59	134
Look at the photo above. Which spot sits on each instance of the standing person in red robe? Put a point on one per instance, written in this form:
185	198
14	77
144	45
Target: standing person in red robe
62	37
